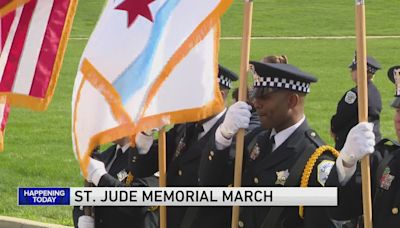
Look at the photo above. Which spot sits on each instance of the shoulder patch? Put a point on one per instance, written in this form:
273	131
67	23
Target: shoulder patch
350	97
324	168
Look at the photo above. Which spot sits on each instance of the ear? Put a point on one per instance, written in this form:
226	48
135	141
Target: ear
224	93
293	100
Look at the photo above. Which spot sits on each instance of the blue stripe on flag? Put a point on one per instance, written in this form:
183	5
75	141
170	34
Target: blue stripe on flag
134	77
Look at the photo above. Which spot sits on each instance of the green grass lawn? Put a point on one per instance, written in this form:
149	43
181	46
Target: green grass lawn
38	149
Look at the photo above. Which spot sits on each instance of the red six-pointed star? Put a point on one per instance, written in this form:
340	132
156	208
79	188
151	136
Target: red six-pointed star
135	8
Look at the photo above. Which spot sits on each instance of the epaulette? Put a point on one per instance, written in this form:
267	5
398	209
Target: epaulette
314	138
388	142
387	146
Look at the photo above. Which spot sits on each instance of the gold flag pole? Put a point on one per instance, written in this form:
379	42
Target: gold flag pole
244	66
162	168
363	105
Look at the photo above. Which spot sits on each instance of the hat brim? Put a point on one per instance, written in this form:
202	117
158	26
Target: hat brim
396	102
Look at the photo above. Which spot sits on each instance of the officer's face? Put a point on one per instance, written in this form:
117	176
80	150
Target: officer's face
397	122
273	108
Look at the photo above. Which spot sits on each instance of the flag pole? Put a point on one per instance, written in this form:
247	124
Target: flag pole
87	210
162	172
244	66
363	105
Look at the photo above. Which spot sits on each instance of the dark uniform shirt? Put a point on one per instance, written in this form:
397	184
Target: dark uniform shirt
385	182
263	168
117	176
346	116
184	151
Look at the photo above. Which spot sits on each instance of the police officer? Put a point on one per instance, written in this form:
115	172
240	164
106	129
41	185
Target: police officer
275	155
346	115
385	174
185	147
115	167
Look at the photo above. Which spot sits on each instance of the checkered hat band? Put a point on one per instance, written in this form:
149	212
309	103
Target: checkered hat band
283	83
370	69
225	81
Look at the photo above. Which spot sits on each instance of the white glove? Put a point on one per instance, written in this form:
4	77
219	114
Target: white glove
359	143
143	142
96	170
85	221
237	116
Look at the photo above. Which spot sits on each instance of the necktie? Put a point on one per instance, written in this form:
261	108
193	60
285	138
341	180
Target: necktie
270	144
114	165
198	130
193	134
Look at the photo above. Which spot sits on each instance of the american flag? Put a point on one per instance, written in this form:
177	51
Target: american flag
33	38
33	41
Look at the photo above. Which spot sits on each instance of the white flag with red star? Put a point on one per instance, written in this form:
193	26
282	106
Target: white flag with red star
148	63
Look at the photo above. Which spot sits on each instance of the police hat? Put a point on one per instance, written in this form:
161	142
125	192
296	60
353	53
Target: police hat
372	64
225	77
394	76
281	76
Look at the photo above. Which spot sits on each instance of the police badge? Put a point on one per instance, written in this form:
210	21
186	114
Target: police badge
122	175
281	177
386	179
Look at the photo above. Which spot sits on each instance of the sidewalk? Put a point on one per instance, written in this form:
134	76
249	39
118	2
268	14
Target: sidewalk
10	222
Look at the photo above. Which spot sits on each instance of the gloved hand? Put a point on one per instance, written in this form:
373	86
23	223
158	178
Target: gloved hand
96	170
85	221
143	141
237	116
359	142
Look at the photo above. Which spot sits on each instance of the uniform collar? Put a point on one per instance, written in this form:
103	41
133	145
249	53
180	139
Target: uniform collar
210	123
281	136
124	147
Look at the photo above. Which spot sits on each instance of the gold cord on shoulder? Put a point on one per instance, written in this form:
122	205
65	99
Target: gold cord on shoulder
309	167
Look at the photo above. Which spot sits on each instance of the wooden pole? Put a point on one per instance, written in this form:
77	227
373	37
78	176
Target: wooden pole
363	105
162	172
87	210
244	67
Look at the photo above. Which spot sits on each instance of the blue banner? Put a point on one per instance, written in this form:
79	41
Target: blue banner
43	196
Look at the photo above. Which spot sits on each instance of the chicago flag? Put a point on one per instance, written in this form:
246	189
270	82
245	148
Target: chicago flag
148	63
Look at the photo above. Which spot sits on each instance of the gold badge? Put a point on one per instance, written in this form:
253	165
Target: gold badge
129	179
281	177
255	152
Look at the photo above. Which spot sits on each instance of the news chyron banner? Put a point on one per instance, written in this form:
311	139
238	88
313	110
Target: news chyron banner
146	196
